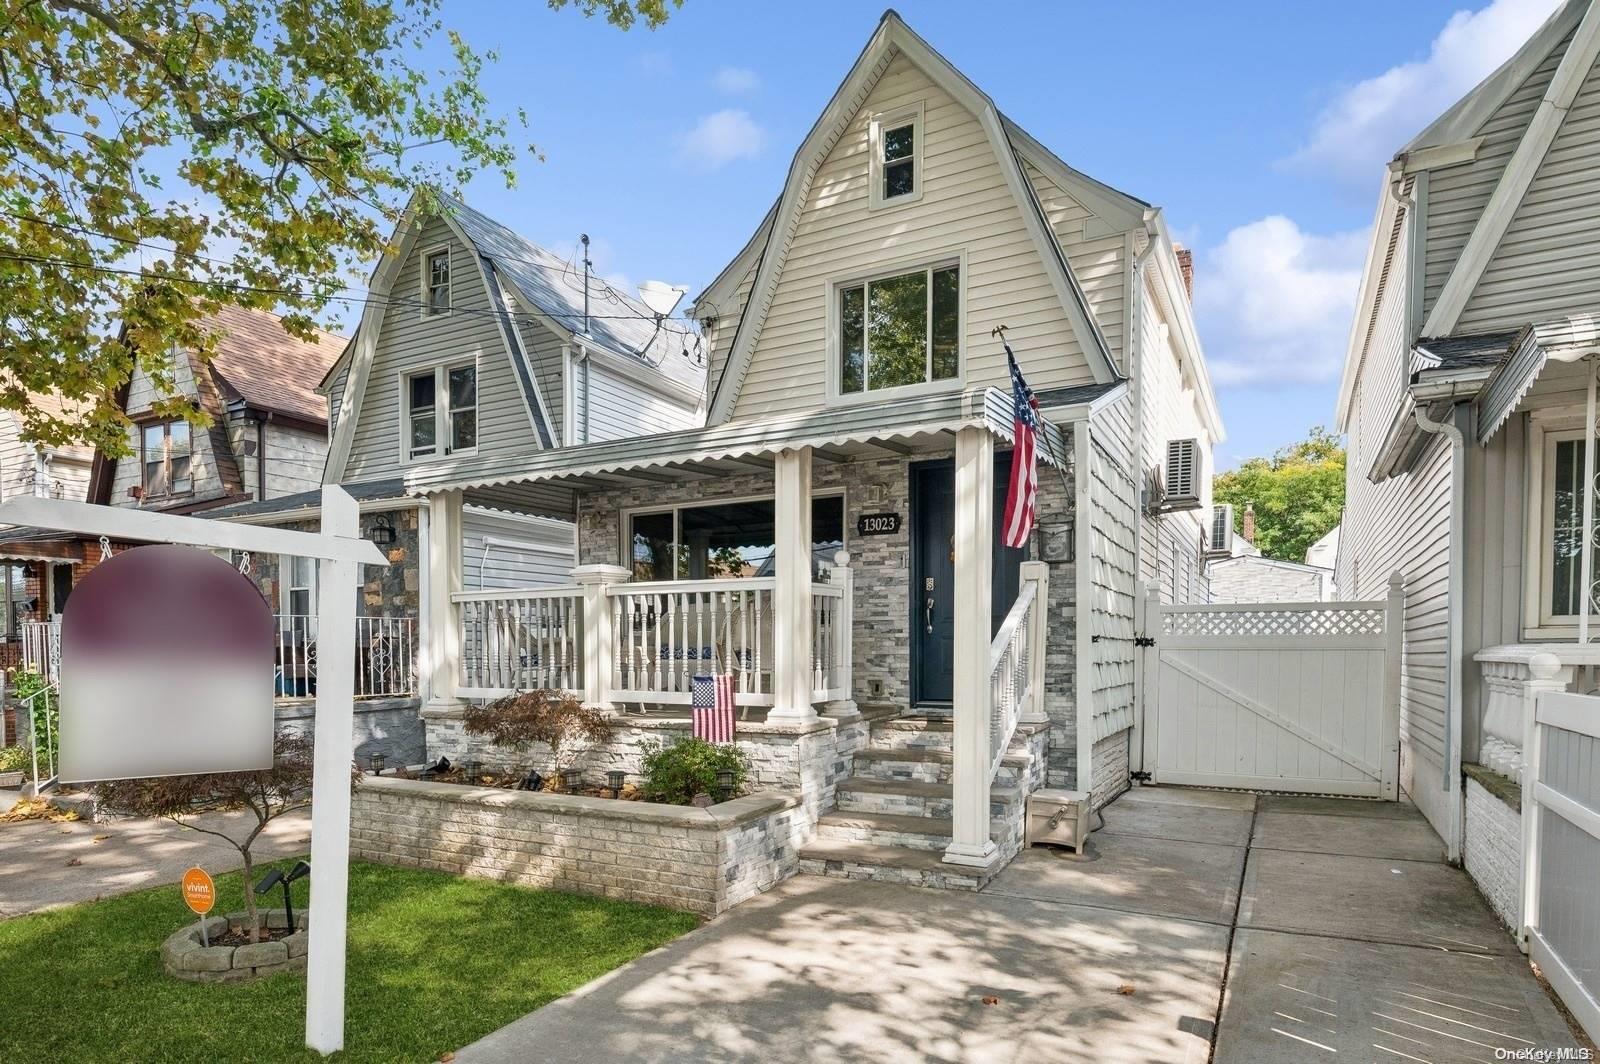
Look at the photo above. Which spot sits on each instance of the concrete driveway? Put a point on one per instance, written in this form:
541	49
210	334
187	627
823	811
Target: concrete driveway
1335	927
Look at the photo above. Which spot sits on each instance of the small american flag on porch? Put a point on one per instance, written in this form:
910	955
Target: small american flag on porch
711	708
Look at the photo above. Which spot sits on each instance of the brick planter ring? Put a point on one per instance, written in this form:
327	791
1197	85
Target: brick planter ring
184	956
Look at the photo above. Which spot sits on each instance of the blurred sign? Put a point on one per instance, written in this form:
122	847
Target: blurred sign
166	668
199	892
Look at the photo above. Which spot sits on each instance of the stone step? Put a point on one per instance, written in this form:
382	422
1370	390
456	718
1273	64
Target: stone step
902	797
891	864
885	829
913	733
930	765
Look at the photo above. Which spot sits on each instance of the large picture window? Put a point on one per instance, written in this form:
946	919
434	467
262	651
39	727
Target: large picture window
166	459
725	540
441	411
900	331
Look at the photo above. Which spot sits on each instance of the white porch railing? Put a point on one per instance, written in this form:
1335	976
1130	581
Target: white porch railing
520	640
832	616
1011	674
41	648
1561	848
668	631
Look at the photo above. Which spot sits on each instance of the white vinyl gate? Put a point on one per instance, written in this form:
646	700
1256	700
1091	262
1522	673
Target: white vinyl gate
1287	696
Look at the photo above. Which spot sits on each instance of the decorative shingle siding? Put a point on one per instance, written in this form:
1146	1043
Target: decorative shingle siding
1111	518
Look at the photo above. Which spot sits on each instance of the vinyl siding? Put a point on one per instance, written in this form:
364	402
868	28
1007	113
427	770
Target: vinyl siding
295	458
1100	263
966	206
615	407
336	398
1458	194
505	550
1497	502
70	475
1548	262
719	338
207	481
1251	579
408	342
544	349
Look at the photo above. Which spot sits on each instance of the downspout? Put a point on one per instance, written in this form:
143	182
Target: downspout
1135	336
1455	583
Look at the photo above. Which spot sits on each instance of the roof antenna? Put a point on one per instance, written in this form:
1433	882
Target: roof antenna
584	237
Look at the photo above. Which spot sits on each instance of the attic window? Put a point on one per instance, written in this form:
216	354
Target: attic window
897	157
165	459
436	283
900	331
441	402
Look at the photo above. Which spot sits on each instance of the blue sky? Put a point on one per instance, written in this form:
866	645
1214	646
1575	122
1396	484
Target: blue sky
1261	128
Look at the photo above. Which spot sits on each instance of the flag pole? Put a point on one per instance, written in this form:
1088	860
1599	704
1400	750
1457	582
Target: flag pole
1049	445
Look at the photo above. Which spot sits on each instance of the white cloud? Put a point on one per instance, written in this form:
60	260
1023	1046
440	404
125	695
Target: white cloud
1273	303
1368	122
719	139
735	80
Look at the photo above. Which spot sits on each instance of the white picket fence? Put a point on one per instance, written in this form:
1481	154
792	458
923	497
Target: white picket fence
1561	849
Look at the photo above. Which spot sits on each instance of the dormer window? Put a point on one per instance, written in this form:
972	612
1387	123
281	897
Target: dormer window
165	460
436	283
897	157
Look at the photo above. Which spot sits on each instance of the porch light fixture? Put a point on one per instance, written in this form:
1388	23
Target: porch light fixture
378	761
615	779
472	771
383	531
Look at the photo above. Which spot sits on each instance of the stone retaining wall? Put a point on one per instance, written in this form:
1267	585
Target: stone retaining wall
701	860
1492	849
387	726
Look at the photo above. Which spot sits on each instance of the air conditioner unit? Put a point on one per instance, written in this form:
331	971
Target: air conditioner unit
1221	539
1182	475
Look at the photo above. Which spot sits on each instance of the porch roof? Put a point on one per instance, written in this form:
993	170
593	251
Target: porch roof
889	428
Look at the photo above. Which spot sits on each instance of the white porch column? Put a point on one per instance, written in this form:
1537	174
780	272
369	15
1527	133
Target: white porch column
1037	573
599	635
791	597
445	578
970	843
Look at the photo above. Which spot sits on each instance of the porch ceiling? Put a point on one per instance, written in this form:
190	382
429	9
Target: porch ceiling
869	430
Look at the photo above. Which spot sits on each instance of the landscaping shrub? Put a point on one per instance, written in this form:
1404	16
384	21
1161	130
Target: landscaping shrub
44	720
523	719
15	759
675	773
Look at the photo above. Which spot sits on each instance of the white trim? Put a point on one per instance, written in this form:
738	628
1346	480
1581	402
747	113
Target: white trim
913	115
928	266
442	428
1517	177
1434	157
425	277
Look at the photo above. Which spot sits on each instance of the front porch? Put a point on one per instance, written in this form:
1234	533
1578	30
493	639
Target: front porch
809	567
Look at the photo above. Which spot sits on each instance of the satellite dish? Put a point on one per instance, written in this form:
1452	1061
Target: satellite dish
660	297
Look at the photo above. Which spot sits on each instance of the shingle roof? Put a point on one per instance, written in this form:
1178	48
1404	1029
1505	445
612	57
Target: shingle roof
259	362
369	491
617	322
1463	352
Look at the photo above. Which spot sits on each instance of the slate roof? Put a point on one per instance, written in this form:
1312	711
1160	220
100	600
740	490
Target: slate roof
257	361
369	491
1467	351
617	321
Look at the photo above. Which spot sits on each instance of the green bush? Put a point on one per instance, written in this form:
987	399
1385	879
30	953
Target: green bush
15	759
44	713
677	772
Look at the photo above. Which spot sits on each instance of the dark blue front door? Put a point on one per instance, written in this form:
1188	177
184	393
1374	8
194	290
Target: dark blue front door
933	574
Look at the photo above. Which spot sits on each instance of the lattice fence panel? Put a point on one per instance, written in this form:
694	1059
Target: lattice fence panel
1332	620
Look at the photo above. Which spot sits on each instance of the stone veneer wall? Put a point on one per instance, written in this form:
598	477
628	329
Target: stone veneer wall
386	591
390	726
1055	508
1110	766
1492	849
701	860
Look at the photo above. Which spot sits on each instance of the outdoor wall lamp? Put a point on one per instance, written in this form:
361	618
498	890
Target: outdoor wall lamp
383	531
277	877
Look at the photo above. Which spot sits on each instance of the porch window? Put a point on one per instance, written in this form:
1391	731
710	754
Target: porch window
166	459
901	330
725	540
436	283
447	397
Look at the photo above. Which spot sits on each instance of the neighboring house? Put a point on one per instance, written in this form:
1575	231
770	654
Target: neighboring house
1238	572
858	398
1463	399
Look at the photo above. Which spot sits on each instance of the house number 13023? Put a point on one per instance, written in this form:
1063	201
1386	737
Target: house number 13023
878	524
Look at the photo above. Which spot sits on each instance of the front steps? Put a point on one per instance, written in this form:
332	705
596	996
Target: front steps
891	820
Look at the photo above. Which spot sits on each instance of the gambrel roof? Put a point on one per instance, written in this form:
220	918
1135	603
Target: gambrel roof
768	249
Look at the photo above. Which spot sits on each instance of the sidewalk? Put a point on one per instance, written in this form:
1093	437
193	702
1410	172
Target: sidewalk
1335	927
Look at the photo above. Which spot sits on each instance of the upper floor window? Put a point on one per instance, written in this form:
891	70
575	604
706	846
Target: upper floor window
436	283
441	411
897	157
166	459
900	331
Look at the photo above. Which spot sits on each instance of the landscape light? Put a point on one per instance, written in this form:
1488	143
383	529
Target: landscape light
472	770
276	878
615	779
378	763
725	782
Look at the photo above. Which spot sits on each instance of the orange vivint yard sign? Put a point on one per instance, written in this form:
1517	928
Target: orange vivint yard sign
199	893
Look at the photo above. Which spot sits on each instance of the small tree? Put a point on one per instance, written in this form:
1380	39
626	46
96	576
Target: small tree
269	794
521	720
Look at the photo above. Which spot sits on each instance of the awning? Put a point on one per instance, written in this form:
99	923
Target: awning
1536	346
24	543
838	434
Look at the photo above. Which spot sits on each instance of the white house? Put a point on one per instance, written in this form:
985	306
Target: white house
1470	363
828	536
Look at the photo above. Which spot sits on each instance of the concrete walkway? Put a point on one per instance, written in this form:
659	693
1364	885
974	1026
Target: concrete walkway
44	863
1318	928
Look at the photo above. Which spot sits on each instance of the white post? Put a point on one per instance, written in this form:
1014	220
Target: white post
445	578
1037	573
974	546
845	577
1586	548
330	788
424	659
1394	623
791	595
599	635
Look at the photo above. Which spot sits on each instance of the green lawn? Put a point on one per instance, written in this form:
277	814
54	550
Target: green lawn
435	962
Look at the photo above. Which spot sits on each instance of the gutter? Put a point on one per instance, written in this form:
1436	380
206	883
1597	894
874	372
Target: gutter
1455	586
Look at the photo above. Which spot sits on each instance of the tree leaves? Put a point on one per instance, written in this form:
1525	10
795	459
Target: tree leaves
1298	494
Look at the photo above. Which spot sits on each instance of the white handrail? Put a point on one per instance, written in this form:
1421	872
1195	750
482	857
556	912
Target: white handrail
495	594
1010	673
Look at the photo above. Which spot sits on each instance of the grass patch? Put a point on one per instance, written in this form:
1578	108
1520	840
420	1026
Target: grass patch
435	962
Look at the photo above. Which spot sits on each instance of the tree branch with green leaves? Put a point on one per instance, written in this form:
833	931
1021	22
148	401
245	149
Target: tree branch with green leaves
1297	493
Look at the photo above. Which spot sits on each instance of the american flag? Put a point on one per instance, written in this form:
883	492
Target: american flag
711	708
1023	491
